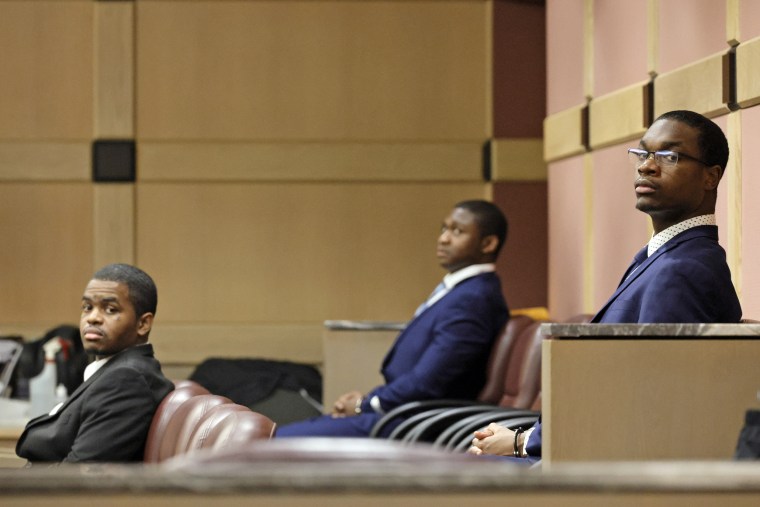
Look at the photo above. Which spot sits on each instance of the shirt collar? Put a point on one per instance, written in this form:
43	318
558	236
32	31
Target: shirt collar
663	237
94	366
452	279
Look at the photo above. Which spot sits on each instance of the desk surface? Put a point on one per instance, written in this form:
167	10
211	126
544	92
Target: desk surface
561	331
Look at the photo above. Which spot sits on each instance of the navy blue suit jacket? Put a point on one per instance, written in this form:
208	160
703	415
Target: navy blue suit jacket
442	353
106	419
685	280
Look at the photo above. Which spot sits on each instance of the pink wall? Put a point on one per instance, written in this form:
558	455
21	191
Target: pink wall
697	29
749	14
620	230
750	292
620	44
721	207
564	54
567	204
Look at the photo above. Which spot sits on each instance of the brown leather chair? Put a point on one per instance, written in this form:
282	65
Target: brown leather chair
228	426
183	391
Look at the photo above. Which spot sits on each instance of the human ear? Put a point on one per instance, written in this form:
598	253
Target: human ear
144	324
713	175
489	244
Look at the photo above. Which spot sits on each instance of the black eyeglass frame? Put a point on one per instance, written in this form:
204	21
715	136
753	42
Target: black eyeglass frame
661	155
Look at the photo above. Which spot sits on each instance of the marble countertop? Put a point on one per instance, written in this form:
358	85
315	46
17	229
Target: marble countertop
711	331
363	325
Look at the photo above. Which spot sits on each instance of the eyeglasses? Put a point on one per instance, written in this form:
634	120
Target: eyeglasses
663	158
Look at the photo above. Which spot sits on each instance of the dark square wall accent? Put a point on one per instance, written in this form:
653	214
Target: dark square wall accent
113	160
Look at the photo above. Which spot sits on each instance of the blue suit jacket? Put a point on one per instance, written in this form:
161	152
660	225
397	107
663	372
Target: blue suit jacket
685	280
442	353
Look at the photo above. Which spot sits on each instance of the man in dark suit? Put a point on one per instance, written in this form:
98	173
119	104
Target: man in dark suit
107	417
681	275
444	350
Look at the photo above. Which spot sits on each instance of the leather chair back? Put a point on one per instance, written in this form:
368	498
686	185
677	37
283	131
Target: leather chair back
499	361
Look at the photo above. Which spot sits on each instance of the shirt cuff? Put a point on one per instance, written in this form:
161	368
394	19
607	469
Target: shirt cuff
374	402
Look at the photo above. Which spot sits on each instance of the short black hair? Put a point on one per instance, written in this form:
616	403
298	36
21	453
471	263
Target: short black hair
490	220
142	290
712	141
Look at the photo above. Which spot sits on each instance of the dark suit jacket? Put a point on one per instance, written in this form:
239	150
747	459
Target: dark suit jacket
685	280
106	419
443	353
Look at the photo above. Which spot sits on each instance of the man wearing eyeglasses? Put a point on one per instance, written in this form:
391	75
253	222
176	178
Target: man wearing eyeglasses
681	275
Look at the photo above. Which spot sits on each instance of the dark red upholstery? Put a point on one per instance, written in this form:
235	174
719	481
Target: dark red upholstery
500	359
183	391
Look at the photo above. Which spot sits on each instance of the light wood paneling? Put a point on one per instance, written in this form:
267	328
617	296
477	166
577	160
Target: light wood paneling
44	161
563	134
114	223
46	259
617	117
177	344
748	73
46	68
697	86
284	253
732	181
173	161
517	160
652	392
114	69
313	70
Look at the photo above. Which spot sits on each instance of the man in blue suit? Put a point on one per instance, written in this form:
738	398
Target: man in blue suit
681	275
443	352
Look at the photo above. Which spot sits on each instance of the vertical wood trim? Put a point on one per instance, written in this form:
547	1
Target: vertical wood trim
734	195
489	55
653	36
113	223
733	27
588	218
588	49
114	73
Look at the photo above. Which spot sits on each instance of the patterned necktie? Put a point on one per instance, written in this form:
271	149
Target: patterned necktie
431	299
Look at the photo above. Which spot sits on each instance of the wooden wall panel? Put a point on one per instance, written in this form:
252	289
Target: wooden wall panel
313	70
278	253
46	259
46	69
113	223
617	117
517	160
176	161
114	69
697	86
44	161
564	134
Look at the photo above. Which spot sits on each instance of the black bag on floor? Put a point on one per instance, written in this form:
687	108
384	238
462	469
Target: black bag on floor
748	446
281	390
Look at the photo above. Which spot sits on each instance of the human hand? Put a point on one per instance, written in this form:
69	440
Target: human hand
346	404
495	440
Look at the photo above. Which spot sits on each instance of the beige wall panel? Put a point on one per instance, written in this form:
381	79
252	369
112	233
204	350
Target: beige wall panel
652	392
177	344
114	223
39	161
517	160
565	44
114	69
313	70
563	134
748	73
698	87
46	88
749	13
617	117
700	33
278	253
750	233
46	260
310	161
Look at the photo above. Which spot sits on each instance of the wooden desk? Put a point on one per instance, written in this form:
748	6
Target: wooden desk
647	391
353	354
8	438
